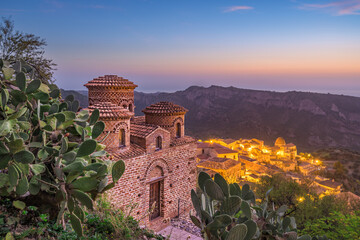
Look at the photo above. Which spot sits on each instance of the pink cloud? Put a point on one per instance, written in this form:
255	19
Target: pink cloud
344	7
237	8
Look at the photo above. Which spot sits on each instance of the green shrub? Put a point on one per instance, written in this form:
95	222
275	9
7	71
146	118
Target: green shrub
48	149
335	226
99	224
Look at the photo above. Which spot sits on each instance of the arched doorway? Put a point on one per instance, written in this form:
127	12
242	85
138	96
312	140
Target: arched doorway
156	192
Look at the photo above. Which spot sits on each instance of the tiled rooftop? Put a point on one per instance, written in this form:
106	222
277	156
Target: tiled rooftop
134	151
164	108
141	130
138	120
203	156
181	141
218	163
224	150
203	145
247	158
330	183
110	81
110	110
217	147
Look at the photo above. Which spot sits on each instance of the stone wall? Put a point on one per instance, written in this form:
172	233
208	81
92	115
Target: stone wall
178	169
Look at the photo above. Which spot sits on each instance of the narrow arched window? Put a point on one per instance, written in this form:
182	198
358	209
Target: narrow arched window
122	138
178	130
158	143
131	107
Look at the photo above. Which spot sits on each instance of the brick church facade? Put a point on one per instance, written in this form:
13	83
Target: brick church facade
160	159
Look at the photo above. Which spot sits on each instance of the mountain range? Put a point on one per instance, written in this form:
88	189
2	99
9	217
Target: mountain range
309	120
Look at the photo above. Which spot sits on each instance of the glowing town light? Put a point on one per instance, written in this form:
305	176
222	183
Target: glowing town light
281	153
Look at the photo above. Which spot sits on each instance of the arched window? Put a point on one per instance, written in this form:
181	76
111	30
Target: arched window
158	143
178	130
131	107
125	106
122	142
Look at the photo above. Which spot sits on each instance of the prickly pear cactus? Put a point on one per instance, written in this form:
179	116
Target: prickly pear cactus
223	210
49	147
227	212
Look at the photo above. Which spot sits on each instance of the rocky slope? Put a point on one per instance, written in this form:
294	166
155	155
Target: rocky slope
309	120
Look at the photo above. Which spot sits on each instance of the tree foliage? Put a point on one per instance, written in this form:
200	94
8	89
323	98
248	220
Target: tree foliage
336	226
285	191
16	45
48	151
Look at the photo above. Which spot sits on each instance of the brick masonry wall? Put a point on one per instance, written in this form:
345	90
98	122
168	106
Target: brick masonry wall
113	127
117	96
151	140
178	166
138	140
167	121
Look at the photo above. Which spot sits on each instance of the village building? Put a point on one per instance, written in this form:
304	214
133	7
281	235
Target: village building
160	159
255	160
230	169
283	150
327	187
216	150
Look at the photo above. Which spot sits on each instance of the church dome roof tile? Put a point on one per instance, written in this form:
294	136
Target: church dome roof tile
111	81
110	110
164	108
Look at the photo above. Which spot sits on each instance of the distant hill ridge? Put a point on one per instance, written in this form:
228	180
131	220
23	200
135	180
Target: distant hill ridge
309	120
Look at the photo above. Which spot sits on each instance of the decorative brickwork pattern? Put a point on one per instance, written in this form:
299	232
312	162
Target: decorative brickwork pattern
167	115
155	150
114	89
164	108
115	119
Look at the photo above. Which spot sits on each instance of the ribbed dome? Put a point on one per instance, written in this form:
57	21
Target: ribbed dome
164	108
280	142
111	81
110	110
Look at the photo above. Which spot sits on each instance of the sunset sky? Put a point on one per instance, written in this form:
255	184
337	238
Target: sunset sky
168	45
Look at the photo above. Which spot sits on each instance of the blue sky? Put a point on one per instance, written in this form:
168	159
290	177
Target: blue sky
168	45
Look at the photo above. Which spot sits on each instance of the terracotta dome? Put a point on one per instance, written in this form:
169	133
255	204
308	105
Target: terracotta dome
280	142
164	108
110	110
111	81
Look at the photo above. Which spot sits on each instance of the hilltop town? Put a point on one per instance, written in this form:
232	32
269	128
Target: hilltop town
247	160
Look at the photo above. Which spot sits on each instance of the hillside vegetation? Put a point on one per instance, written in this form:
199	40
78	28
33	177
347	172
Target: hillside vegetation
309	120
